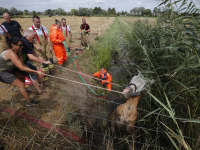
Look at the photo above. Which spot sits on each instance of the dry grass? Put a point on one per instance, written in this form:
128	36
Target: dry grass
131	20
18	133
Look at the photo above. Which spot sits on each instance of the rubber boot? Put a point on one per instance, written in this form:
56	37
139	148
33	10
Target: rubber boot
46	71
64	63
62	69
45	68
68	49
86	45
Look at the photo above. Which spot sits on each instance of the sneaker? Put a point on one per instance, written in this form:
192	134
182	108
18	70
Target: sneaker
32	103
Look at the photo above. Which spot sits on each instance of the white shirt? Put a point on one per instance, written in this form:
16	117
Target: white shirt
39	31
68	29
1	30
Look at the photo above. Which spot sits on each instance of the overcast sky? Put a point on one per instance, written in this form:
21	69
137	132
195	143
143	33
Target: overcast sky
67	5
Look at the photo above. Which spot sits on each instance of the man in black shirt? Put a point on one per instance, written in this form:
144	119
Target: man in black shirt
84	30
12	26
30	54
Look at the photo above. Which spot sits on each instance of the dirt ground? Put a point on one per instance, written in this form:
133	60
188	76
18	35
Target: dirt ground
60	95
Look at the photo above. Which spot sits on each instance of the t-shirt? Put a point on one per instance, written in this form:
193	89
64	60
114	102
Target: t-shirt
83	27
13	28
39	31
1	30
27	49
64	29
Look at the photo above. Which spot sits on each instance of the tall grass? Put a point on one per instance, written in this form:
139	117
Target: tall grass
169	54
107	44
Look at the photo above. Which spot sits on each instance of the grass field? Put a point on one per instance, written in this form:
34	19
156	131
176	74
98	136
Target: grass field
55	105
131	20
125	45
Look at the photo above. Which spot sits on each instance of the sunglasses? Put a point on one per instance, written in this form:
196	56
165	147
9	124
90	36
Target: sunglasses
20	45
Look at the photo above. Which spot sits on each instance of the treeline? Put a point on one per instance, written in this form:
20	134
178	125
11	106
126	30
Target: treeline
141	11
96	11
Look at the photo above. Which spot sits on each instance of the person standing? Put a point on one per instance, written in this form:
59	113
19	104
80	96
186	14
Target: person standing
12	26
3	35
66	32
43	44
58	38
84	30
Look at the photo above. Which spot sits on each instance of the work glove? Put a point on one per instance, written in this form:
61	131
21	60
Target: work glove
85	31
80	33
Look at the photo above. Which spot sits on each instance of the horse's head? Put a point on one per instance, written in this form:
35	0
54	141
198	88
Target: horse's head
130	90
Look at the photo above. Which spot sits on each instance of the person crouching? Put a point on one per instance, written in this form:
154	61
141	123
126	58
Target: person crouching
105	77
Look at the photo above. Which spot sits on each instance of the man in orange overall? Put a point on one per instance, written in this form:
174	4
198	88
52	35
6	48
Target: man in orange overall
105	77
58	38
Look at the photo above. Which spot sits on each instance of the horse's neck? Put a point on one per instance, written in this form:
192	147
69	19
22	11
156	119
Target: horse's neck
133	101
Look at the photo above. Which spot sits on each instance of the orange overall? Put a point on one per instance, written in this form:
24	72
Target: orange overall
106	77
57	37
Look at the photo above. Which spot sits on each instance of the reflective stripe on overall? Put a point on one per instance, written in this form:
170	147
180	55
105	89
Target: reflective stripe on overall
3	42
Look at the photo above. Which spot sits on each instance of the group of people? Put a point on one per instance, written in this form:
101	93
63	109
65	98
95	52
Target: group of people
36	45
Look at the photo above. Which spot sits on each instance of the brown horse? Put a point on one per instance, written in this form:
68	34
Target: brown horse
126	114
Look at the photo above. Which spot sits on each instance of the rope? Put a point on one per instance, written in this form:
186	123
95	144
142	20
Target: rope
88	85
88	75
85	83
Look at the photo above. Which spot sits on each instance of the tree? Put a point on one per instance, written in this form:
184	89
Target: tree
84	11
13	11
74	12
97	11
113	11
25	12
109	12
64	13
19	12
87	12
147	12
6	10
59	11
33	12
156	10
103	12
53	12
134	10
2	10
38	13
141	10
